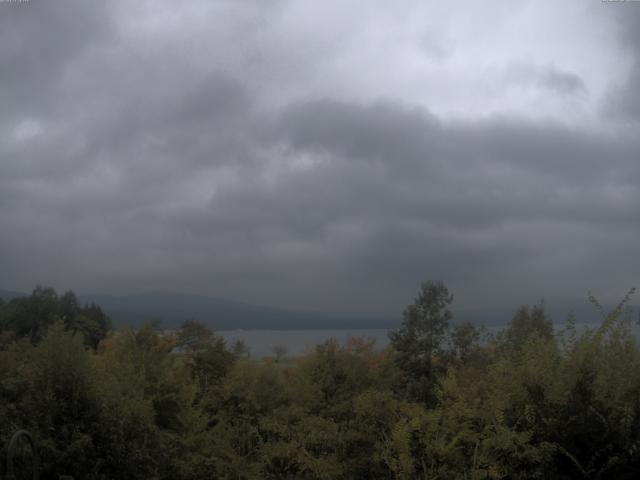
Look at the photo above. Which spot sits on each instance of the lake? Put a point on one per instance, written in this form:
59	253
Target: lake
297	342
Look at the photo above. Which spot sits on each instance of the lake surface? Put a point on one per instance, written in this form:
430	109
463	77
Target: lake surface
297	342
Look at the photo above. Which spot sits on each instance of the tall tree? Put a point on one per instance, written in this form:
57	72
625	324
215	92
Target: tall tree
419	339
207	354
464	338
526	323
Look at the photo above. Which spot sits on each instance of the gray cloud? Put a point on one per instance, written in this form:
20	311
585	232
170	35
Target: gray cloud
562	82
224	149
38	44
549	78
624	101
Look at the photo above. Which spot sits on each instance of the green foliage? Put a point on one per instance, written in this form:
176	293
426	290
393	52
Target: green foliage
419	339
465	338
149	404
30	317
527	322
205	353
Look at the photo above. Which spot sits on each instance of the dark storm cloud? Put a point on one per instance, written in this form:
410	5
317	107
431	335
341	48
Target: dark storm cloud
393	193
147	156
468	174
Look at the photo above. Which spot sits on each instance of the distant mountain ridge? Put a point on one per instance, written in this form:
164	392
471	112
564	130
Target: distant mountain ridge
8	295
171	309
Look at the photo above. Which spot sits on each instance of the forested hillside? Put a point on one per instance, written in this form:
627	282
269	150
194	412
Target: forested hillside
441	402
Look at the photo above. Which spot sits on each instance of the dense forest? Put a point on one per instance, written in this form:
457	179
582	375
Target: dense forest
443	401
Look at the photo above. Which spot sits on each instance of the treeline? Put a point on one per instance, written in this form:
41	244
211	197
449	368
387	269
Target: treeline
442	402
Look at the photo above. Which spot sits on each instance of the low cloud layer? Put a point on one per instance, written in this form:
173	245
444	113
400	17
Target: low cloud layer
305	156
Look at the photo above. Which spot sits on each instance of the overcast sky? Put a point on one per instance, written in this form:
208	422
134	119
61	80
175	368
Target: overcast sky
321	155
